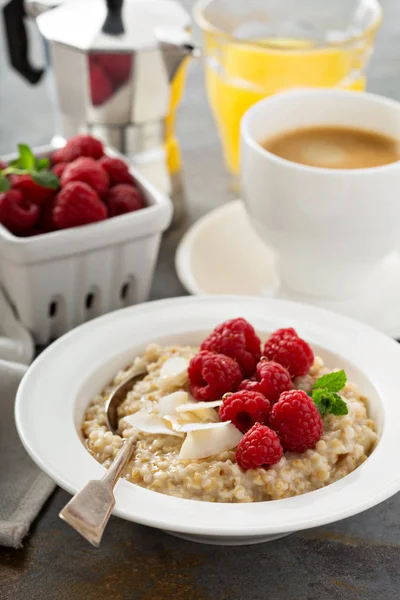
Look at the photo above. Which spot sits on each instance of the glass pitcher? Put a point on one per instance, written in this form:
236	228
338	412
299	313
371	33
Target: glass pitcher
254	48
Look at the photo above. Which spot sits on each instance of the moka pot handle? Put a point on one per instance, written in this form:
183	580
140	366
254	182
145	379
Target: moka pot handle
17	41
113	24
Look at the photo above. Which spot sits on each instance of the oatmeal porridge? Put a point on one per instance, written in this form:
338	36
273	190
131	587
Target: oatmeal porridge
185	450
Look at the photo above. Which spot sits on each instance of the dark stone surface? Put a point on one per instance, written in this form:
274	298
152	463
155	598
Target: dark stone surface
356	559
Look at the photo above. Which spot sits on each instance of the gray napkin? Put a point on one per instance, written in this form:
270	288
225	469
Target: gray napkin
23	487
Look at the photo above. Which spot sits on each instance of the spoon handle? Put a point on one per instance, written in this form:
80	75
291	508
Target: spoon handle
89	510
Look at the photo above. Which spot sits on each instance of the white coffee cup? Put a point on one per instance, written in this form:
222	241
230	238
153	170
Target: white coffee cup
331	228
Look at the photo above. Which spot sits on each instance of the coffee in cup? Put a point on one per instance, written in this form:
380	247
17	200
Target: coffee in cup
331	228
334	147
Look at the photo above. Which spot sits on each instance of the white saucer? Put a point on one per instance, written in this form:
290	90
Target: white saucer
221	254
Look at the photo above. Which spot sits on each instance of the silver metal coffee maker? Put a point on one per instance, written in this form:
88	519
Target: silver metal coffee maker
118	72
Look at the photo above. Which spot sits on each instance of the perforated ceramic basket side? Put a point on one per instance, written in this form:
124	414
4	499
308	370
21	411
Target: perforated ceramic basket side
59	280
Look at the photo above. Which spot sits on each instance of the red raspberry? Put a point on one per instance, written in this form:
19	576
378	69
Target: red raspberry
46	219
59	168
89	171
82	145
2	165
17	213
281	334
236	338
101	88
117	170
213	375
286	348
251	385
123	198
273	379
32	232
259	447
31	190
77	204
297	421
58	156
118	67
245	408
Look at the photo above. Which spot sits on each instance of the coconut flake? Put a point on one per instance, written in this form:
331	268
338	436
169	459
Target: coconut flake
173	367
186	427
203	410
210	441
174	372
178	424
168	405
196	406
173	421
150	423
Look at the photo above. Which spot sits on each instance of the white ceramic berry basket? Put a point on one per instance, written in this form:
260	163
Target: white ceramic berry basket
59	280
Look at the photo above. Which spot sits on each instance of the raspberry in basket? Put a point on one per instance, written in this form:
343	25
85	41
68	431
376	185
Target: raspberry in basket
236	338
58	156
259	447
286	348
59	168
244	409
123	198
16	213
77	204
46	217
297	421
81	145
273	379
213	375
89	171
31	190
117	170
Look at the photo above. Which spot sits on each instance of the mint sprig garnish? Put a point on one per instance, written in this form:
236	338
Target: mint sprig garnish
46	179
42	163
332	382
28	164
26	159
325	396
329	402
4	183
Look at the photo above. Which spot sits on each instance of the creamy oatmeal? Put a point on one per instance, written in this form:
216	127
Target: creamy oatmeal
346	442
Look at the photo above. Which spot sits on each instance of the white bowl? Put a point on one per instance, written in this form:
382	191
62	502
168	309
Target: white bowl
58	386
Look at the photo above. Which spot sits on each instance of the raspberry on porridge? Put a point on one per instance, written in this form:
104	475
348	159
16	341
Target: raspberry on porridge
185	448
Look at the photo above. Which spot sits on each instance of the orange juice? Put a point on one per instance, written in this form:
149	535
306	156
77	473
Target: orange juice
171	144
254	48
238	75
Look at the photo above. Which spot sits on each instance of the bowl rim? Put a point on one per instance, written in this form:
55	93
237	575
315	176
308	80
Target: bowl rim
38	413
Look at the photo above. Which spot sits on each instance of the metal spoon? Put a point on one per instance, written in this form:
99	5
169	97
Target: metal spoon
89	510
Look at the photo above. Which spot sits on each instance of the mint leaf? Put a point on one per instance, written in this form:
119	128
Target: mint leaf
332	382
27	159
4	184
46	179
14	163
329	402
42	163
